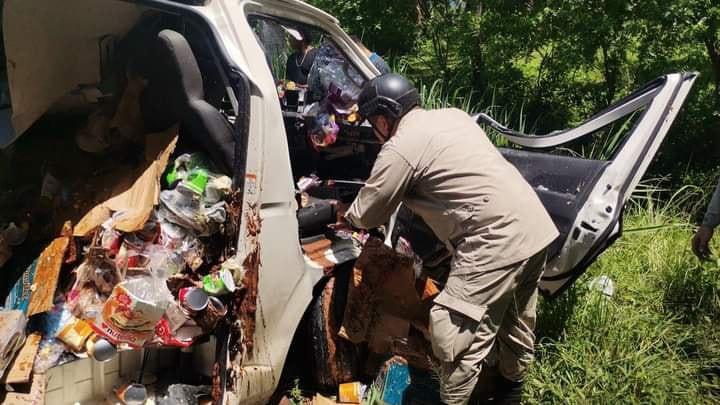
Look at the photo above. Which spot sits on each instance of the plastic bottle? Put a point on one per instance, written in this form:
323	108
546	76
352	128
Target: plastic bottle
185	201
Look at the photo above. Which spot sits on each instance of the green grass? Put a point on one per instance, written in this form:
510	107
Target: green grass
655	340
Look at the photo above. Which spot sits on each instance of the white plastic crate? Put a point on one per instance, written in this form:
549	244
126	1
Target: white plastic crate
87	381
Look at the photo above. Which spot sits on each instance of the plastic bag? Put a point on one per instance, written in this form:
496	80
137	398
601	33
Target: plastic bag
85	303
97	271
183	165
325	131
48	355
217	189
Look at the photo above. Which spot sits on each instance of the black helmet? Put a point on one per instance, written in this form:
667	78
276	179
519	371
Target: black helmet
391	95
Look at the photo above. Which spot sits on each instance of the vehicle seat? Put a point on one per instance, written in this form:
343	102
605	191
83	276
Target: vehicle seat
174	94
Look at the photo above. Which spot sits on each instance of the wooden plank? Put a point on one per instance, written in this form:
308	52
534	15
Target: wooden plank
46	276
35	396
21	367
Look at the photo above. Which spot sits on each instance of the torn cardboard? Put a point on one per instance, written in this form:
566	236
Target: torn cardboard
21	368
134	193
12	335
322	400
382	297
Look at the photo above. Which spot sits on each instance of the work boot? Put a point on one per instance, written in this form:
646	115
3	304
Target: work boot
508	392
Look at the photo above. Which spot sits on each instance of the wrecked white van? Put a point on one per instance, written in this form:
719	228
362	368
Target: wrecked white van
213	69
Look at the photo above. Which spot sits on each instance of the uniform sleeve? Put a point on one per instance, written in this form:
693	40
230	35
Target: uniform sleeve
390	179
712	217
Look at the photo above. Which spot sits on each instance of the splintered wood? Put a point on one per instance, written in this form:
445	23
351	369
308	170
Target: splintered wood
21	367
46	276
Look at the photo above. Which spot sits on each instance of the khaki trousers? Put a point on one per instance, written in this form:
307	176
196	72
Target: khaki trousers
503	303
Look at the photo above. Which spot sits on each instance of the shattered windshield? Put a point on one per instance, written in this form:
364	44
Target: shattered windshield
306	58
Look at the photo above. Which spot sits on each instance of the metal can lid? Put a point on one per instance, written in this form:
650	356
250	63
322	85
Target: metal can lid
195	299
100	349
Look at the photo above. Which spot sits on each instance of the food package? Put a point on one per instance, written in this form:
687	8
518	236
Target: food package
132	311
19	297
351	393
75	333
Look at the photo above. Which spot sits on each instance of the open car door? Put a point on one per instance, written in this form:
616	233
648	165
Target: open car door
586	197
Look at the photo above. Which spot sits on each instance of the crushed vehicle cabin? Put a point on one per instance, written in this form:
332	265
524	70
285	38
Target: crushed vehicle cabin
166	194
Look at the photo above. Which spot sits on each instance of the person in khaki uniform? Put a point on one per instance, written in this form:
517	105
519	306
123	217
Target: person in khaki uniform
441	165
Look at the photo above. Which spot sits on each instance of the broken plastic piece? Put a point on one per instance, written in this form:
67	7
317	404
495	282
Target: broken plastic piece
604	285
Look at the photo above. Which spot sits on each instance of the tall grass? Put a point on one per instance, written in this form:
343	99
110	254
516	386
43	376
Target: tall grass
438	95
656	339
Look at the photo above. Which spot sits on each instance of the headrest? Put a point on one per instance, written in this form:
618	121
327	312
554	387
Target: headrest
174	80
177	56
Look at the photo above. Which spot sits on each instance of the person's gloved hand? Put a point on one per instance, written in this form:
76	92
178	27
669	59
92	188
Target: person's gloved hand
341	224
701	242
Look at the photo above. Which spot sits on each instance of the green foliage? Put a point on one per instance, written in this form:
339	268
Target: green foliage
562	60
384	26
296	394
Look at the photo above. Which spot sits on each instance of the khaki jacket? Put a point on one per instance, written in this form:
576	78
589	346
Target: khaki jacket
443	167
